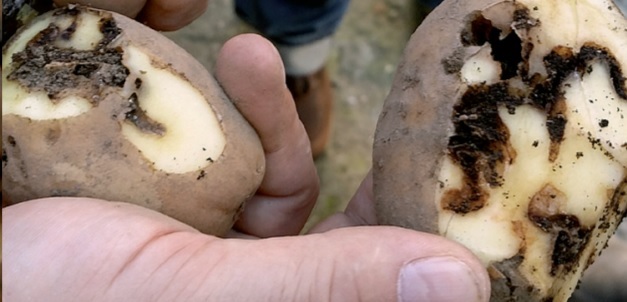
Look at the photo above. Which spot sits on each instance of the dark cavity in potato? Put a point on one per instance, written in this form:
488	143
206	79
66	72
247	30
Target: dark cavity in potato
42	66
480	143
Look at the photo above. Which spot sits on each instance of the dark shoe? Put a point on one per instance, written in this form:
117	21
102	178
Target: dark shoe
314	103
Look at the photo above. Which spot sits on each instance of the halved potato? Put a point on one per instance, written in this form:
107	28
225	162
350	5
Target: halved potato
506	131
98	105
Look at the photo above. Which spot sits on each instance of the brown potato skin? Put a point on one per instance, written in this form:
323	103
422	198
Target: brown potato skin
109	167
413	131
415	124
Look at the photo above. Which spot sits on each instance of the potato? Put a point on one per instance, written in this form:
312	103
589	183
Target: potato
95	104
506	131
16	13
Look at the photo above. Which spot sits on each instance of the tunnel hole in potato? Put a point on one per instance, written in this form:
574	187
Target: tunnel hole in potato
513	124
61	71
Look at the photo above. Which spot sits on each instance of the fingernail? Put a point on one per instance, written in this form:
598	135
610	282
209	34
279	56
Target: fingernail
438	279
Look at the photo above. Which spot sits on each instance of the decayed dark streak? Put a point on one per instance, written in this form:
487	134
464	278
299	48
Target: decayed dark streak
480	145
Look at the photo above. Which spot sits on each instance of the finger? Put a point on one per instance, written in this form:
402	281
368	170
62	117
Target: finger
360	211
170	15
162	15
250	71
86	250
129	8
70	249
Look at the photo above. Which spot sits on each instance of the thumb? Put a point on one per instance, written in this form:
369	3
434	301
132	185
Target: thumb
354	264
87	250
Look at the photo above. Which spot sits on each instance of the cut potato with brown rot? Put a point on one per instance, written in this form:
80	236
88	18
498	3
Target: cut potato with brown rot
95	104
506	131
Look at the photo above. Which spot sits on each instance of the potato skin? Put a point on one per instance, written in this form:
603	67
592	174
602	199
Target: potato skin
88	156
415	124
414	128
413	133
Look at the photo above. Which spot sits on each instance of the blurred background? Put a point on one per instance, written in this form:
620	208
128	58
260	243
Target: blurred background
367	48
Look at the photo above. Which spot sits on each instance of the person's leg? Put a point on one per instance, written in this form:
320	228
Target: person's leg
301	30
430	3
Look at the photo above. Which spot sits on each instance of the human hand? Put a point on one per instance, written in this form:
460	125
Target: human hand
76	249
163	15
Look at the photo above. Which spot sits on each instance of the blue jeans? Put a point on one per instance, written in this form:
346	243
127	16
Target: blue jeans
300	29
296	22
292	22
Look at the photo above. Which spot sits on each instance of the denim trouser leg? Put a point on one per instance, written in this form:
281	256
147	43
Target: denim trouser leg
431	3
293	22
301	29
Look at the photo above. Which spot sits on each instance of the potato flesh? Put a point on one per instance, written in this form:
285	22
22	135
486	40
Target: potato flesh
86	37
531	141
591	20
36	105
505	214
589	167
193	137
480	68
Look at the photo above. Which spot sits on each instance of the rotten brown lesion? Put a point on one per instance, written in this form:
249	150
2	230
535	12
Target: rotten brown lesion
569	236
480	144
592	51
618	199
60	72
138	117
